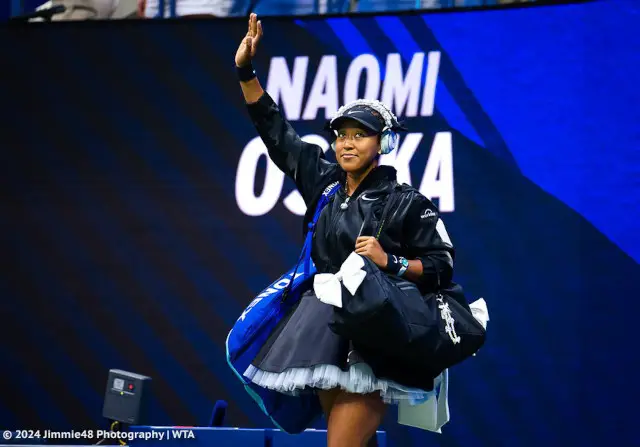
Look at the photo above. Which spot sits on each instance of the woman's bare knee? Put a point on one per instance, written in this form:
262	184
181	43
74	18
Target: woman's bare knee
354	419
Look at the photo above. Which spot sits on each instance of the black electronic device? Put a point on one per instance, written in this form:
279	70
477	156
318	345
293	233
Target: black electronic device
126	398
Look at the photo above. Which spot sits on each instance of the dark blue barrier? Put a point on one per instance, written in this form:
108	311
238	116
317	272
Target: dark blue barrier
229	437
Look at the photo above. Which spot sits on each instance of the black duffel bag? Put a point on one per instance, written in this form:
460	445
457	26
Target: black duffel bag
403	335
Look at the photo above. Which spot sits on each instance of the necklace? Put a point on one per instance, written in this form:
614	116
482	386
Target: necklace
344	205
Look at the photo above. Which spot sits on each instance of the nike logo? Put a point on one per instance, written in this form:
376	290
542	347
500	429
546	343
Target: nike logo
364	197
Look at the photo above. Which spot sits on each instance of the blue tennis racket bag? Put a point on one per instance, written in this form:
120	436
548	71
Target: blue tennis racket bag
292	414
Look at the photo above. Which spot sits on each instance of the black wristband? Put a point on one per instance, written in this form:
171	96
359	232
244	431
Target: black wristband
246	73
393	264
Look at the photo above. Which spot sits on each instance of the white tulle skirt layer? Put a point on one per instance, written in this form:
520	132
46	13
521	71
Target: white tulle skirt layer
358	379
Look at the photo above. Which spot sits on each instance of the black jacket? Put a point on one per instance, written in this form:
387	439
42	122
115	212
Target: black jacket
410	230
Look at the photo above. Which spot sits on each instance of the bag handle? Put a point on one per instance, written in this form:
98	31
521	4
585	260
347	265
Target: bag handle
390	202
438	287
391	198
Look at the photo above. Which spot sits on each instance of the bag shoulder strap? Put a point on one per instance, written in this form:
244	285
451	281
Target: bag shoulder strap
305	255
328	192
391	199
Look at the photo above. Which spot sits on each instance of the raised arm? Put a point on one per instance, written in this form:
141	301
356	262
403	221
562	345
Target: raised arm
305	163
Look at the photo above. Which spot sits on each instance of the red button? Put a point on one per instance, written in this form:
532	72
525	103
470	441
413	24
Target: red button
131	386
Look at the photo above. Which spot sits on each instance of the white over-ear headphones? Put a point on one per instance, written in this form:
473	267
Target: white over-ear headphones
389	138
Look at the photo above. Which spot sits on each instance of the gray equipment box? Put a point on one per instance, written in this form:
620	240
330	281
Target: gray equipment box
126	398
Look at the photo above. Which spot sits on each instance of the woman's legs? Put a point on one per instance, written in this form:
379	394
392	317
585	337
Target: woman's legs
327	398
352	419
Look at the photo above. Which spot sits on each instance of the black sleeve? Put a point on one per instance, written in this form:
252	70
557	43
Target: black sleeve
305	163
426	239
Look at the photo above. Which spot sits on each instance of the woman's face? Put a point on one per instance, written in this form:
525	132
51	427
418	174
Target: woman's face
356	147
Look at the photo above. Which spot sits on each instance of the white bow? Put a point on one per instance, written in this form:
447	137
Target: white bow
327	285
